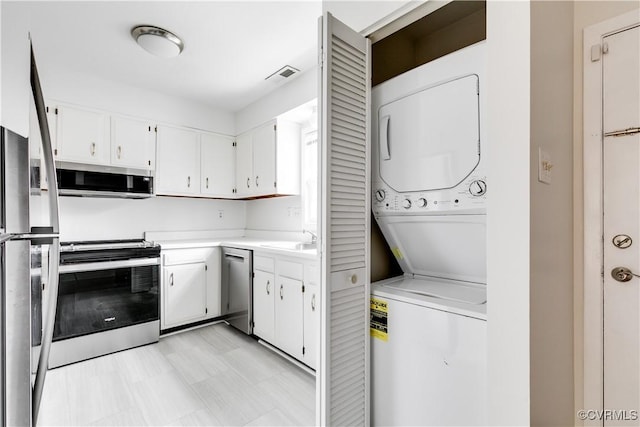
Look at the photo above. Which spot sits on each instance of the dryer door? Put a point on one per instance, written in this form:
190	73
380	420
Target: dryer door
430	139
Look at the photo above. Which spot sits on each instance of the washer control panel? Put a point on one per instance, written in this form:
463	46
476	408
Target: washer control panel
469	194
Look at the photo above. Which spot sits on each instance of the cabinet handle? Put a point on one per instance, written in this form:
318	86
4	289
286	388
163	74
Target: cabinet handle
268	290
93	149
119	151
281	296
313	302
248	180
207	182
189	181
171	279
257	180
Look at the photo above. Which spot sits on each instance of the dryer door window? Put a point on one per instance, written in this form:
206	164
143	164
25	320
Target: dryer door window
430	140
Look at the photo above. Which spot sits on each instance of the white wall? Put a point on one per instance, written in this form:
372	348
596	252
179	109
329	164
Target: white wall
274	214
81	89
551	269
508	246
83	218
586	14
299	90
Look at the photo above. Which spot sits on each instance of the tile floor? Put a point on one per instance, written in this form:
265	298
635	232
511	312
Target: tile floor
211	376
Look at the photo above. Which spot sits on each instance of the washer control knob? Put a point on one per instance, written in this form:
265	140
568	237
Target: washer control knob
380	195
478	187
422	202
406	203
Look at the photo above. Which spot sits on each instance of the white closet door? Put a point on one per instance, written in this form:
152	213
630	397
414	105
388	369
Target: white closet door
345	96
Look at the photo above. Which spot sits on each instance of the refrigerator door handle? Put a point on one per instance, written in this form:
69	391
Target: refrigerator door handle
54	253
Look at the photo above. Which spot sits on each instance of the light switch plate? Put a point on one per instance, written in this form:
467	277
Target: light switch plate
544	166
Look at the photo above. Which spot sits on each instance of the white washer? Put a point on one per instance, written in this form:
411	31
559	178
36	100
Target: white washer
428	345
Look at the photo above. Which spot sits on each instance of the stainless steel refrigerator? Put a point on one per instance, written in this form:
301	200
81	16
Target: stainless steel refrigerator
21	391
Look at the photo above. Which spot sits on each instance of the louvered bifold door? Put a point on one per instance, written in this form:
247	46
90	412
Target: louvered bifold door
344	379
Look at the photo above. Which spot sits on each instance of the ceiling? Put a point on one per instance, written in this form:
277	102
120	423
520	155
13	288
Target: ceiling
230	46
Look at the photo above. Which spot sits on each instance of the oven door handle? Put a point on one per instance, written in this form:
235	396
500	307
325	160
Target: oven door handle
108	265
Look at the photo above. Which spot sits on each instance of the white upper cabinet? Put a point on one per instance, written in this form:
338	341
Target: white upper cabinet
217	159
82	135
132	143
268	160
244	165
264	159
178	161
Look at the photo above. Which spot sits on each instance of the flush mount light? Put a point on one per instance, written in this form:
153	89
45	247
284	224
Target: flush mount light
157	41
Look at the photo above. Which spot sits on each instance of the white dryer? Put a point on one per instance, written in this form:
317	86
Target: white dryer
428	345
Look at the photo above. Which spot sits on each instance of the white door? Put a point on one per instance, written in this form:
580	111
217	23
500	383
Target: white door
264	290
178	168
264	159
288	314
621	150
244	165
429	140
311	323
83	135
185	293
132	143
217	160
345	226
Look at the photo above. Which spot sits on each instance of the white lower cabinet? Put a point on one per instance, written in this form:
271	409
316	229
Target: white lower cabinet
190	286
289	320
185	294
311	313
263	305
285	305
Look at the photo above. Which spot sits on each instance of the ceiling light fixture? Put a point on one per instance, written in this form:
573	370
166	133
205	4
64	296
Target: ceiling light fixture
157	41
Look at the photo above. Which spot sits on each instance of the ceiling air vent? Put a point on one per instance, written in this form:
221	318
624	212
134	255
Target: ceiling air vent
283	73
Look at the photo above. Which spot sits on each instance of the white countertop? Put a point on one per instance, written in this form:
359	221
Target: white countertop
210	239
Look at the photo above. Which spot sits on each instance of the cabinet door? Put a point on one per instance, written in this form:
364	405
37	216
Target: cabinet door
311	313
185	293
264	159
132	143
82	136
264	290
244	165
178	167
288	314
217	165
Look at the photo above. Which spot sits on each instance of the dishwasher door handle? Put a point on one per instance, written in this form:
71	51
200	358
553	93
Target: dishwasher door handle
238	257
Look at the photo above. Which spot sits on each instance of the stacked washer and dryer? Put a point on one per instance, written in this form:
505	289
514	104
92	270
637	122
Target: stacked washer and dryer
428	345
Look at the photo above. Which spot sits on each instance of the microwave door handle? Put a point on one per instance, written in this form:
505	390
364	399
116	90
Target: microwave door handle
54	253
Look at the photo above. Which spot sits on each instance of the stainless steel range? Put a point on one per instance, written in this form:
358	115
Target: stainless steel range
108	299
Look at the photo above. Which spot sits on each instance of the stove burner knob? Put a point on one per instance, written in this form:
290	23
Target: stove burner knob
406	203
422	202
380	195
478	187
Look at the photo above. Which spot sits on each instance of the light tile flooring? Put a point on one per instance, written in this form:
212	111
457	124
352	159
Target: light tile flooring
211	376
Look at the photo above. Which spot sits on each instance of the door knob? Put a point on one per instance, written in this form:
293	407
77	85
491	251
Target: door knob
622	274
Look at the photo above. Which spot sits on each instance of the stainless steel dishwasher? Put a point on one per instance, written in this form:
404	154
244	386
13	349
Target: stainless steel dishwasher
237	286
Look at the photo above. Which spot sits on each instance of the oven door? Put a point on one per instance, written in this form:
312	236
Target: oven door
101	296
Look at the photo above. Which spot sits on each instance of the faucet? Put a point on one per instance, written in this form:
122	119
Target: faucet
314	237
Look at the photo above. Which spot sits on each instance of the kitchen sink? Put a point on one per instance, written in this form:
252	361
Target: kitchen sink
292	246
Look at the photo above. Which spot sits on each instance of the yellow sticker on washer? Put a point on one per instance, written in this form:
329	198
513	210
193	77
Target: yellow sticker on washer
397	253
378	319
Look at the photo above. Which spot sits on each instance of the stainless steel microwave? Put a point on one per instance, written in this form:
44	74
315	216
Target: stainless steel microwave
95	181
